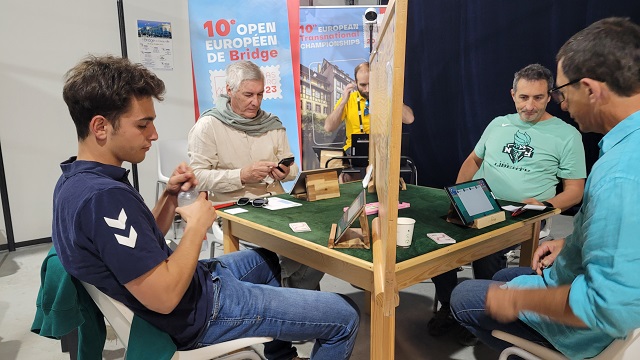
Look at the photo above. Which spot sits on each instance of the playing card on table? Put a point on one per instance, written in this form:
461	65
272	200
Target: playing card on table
441	238
299	227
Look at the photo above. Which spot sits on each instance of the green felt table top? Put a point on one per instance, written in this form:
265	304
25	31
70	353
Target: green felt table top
428	206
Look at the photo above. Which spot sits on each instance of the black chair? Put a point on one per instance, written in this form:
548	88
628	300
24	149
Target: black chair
408	171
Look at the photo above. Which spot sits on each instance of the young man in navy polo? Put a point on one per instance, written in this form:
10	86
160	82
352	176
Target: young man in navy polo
105	235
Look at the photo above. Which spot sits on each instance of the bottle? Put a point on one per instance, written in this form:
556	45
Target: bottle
187	198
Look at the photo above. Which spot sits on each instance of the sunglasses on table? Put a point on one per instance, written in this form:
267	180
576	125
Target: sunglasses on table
258	202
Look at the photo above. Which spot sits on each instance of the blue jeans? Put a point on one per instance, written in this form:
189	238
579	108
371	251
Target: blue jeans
483	268
248	301
468	308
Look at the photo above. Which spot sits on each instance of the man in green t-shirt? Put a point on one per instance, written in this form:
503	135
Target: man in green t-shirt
523	157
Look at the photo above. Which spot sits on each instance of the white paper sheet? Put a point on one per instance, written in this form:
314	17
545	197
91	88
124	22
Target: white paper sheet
527	207
278	204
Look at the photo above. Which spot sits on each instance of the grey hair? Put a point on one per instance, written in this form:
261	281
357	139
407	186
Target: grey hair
533	72
239	71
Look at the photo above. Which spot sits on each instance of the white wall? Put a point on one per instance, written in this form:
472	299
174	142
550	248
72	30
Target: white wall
41	41
176	114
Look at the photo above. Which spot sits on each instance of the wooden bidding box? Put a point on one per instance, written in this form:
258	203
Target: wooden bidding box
316	184
322	186
488	220
478	223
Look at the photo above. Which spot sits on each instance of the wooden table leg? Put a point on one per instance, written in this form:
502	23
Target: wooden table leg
367	302
230	242
527	248
383	332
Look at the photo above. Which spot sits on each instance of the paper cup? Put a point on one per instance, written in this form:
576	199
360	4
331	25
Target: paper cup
405	231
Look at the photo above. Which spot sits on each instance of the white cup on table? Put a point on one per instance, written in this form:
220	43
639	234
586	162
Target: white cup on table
405	231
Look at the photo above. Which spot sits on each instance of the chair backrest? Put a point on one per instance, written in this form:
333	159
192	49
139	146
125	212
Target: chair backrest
121	317
626	349
537	351
171	153
621	349
360	144
360	147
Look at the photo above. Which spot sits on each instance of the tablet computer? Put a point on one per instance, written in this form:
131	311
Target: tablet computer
299	184
472	200
351	214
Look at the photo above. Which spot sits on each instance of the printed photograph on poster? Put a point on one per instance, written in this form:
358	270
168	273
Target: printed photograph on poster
221	33
155	44
333	41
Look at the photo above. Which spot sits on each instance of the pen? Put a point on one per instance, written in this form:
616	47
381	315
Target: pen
225	205
519	211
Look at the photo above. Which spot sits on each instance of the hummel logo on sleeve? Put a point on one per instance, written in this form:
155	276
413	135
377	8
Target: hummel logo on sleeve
121	223
129	241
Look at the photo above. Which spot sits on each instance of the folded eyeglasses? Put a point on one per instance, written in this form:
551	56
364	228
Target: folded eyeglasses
257	202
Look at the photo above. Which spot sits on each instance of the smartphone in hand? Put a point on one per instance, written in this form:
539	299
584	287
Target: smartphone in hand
286	162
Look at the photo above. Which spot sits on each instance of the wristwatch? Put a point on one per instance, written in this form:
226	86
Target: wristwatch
547	204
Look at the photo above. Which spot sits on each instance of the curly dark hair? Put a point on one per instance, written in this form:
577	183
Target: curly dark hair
105	85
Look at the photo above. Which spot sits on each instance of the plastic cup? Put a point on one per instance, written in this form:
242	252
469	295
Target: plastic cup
405	231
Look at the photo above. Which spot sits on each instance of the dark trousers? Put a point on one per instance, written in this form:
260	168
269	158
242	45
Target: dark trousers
483	268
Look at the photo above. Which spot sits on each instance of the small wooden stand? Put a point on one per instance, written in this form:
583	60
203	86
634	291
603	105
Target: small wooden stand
403	185
322	186
488	220
352	238
478	223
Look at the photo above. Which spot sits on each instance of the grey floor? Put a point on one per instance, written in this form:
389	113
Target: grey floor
19	281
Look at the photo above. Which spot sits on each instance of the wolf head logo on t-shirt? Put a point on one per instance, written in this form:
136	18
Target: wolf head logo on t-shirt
519	148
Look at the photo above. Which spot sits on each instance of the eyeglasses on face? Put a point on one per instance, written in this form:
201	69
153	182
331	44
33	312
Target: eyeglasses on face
557	95
258	202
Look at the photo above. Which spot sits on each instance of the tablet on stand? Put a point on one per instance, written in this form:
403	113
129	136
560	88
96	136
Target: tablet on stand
342	235
473	204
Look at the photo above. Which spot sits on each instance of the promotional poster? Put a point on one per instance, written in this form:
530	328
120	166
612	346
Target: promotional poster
333	41
223	32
